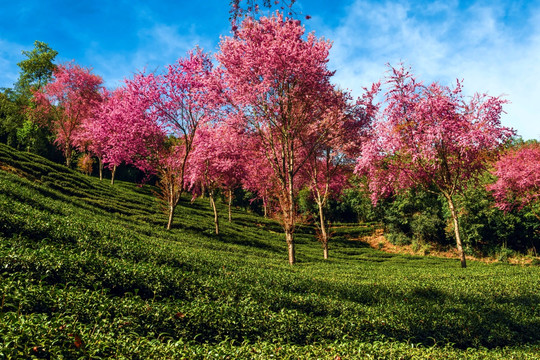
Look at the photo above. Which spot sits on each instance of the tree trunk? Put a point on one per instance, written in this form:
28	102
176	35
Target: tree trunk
230	204
288	226
456	231
289	220
324	234
67	154
265	208
173	197
100	160
290	245
112	174
171	215
213	203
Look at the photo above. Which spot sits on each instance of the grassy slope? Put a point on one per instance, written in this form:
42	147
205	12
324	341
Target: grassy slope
87	269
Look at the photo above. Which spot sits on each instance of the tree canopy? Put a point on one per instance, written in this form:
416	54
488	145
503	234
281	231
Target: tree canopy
431	136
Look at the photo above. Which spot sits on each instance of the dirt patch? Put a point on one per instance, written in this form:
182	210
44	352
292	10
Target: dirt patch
378	241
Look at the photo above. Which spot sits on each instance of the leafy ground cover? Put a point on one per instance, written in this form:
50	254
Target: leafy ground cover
87	270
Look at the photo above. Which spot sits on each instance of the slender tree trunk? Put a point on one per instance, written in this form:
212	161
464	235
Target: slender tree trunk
213	203
456	230
230	204
171	215
290	245
174	194
287	208
288	220
265	208
324	234
67	154
113	172
100	161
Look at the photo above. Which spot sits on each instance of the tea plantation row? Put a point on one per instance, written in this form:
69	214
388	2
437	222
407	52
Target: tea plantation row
88	271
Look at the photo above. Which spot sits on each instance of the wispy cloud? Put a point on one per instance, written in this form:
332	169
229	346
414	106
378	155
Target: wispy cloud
443	42
157	47
156	44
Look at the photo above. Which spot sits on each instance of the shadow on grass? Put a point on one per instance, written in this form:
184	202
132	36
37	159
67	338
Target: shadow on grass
237	237
425	316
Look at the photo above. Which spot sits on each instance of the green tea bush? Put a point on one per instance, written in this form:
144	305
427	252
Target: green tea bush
94	274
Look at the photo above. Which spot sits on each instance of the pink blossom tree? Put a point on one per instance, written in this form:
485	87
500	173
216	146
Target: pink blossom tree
216	163
171	176
93	138
65	102
121	131
518	178
259	176
431	137
180	100
278	80
328	168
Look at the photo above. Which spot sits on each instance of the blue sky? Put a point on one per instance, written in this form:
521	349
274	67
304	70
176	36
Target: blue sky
494	46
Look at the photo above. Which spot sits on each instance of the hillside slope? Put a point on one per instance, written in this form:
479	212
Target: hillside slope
88	270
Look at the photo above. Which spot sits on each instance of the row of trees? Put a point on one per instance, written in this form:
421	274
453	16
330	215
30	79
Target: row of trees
266	117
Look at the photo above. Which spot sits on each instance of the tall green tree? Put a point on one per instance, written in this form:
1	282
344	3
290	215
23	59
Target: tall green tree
16	128
36	70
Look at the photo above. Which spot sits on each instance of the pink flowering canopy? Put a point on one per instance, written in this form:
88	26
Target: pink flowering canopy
183	97
92	137
430	135
259	178
518	178
326	168
279	83
170	162
122	132
217	160
65	102
180	100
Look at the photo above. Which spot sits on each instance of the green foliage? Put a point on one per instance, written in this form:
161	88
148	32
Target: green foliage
415	216
306	204
486	228
11	117
37	69
16	128
88	271
352	206
355	204
420	218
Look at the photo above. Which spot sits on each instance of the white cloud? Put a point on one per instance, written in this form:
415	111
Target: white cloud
158	46
442	43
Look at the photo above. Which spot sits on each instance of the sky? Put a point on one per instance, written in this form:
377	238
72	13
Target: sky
492	46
